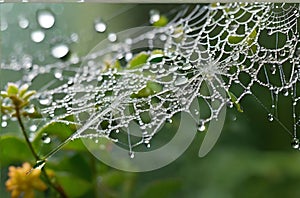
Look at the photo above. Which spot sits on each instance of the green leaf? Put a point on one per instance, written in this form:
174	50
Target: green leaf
138	60
28	94
73	163
163	188
73	186
235	39
150	89
113	178
251	37
23	90
13	149
12	89
233	99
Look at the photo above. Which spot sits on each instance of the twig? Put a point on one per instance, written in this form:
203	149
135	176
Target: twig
55	187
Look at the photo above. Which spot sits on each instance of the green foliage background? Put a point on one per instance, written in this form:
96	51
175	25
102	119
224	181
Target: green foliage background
252	158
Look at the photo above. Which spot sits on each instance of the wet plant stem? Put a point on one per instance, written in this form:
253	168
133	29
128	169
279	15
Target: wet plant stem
47	178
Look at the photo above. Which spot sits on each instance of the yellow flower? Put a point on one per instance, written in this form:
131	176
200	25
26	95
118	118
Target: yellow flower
21	183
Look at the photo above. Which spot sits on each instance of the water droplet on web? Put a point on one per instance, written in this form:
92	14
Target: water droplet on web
201	127
163	37
99	26
270	117
295	143
45	19
3	124
60	51
230	104
37	36
169	120
23	23
187	67
112	37
131	154
233	27
45	100
58	74
30	109
154	16
74	37
285	92
128	56
235	56
33	128
45	138
180	80
273	69
4	117
234	118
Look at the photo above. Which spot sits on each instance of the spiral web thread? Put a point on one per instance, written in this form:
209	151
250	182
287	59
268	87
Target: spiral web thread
217	47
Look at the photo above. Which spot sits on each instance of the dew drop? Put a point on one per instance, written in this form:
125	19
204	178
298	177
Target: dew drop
270	117
4	117
201	127
45	19
74	37
45	138
234	118
112	37
273	69
180	81
285	92
3	124
295	143
60	51
169	120
131	154
45	100
163	37
74	59
100	26
230	104
37	36
235	56
39	164
154	16
187	67
33	128
23	23
128	56
58	74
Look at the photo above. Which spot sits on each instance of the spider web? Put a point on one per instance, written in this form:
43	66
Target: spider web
206	50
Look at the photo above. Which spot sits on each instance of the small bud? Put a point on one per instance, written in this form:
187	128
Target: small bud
4	94
12	89
23	90
28	94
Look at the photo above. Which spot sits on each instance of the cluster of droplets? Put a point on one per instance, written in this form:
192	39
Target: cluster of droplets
196	52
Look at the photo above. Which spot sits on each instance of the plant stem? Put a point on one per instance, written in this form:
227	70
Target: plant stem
37	158
25	134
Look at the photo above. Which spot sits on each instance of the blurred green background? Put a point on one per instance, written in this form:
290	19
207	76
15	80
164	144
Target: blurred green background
253	157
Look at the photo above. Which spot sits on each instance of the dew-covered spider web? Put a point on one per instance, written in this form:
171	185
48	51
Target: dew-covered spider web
141	78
